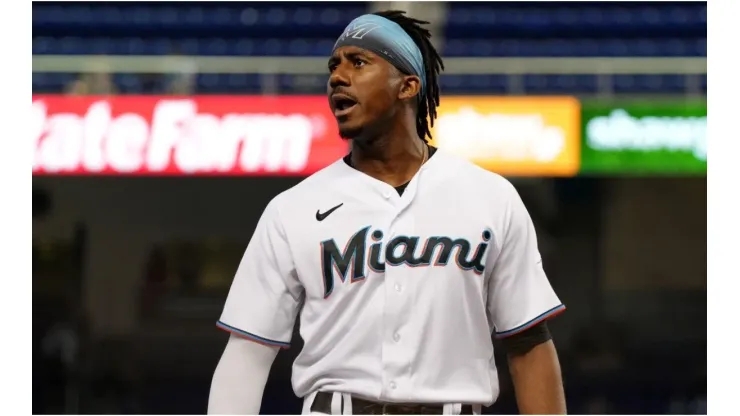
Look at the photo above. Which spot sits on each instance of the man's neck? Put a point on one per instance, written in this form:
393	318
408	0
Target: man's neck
390	159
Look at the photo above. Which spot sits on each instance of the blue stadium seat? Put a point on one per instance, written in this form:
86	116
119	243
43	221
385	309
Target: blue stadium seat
467	19
649	84
471	84
44	45
51	82
306	29
199	18
560	84
451	84
503	29
553	47
128	83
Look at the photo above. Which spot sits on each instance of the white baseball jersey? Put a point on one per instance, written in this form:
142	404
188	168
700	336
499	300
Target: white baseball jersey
398	294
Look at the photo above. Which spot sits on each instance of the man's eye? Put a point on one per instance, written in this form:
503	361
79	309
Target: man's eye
359	63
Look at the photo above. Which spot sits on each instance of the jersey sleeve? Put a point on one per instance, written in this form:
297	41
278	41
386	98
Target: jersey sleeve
266	294
520	295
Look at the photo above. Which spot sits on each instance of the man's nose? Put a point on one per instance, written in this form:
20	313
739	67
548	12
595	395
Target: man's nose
338	78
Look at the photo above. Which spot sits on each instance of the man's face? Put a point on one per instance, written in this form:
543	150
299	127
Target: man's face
362	90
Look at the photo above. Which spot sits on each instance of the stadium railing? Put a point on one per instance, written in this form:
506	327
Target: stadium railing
317	65
604	67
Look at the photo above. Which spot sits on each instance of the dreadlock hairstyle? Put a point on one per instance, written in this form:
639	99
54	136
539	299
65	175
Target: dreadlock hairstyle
433	65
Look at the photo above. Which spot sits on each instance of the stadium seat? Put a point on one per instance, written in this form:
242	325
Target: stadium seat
508	30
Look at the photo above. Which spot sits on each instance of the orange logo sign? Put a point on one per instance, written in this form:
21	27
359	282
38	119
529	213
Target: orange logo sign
515	136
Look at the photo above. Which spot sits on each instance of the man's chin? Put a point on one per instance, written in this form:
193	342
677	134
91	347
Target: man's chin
349	132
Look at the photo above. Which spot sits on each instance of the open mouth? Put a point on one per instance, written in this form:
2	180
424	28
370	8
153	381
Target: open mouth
343	105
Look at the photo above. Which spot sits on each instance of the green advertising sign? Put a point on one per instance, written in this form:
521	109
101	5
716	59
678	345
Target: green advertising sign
644	138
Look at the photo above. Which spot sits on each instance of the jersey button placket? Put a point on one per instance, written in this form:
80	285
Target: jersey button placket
389	371
395	354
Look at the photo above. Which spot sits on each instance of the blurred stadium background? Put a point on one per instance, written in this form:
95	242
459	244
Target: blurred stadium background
596	111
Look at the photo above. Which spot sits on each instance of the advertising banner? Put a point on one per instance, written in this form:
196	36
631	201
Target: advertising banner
512	136
287	135
202	135
645	138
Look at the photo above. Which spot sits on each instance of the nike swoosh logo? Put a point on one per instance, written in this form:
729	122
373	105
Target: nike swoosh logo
322	216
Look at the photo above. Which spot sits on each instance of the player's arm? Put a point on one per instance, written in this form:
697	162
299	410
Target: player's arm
240	378
535	371
260	313
520	301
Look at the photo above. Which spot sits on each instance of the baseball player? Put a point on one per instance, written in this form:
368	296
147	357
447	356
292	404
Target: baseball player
400	258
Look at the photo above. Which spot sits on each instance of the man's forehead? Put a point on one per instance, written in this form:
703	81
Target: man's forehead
351	50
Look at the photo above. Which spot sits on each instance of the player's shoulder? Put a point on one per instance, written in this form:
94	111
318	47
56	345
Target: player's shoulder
468	173
314	187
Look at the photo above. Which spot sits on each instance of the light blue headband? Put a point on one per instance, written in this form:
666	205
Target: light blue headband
388	40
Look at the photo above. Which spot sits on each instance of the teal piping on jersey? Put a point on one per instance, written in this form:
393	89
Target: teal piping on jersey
545	315
256	338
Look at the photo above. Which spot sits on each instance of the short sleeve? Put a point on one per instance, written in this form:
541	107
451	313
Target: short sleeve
265	295
520	295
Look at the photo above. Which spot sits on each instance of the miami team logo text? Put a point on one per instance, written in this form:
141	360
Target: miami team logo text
356	256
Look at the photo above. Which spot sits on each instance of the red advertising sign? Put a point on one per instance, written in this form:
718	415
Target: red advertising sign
202	135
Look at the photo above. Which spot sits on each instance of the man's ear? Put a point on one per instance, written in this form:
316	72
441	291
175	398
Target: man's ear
410	87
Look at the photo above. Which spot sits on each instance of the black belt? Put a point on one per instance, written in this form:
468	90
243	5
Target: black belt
322	404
